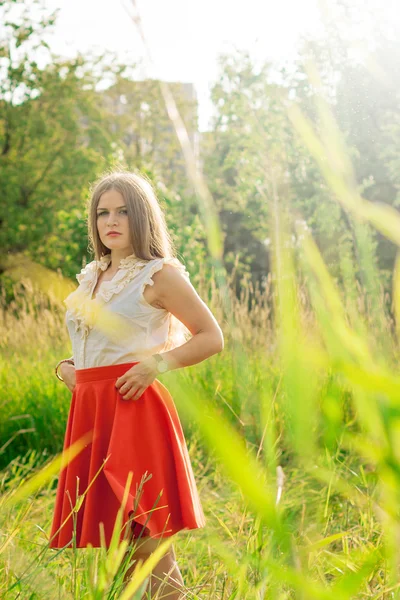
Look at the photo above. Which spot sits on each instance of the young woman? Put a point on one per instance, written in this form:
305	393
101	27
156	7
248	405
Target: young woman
129	320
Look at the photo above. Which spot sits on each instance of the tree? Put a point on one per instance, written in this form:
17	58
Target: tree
52	137
246	146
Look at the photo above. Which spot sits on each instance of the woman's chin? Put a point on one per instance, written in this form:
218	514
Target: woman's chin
114	242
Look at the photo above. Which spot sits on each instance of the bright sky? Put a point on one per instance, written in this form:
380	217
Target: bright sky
185	36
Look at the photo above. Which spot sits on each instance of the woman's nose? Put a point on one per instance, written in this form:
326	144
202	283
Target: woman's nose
112	219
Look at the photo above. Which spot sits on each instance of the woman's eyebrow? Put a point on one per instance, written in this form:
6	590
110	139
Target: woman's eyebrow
123	206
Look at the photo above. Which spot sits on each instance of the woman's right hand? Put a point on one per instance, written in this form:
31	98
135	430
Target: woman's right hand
67	371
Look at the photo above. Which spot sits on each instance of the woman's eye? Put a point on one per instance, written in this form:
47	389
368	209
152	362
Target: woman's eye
123	210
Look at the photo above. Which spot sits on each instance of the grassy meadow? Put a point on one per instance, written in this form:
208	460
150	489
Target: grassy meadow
293	429
292	434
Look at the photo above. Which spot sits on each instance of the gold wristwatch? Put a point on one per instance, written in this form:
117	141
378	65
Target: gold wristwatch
162	366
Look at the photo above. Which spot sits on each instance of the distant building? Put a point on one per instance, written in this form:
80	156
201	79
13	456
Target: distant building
147	133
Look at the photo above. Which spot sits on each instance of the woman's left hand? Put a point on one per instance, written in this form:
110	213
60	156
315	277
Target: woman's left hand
133	383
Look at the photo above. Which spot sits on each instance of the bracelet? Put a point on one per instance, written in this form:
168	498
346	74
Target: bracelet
68	360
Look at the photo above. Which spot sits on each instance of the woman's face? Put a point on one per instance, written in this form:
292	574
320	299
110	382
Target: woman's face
112	215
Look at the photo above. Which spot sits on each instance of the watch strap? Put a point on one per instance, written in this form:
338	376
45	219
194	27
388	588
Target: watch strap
160	362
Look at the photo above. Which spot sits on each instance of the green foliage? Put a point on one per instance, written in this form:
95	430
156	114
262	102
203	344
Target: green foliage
58	132
52	139
294	428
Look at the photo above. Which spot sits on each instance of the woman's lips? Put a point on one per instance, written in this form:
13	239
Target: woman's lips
112	234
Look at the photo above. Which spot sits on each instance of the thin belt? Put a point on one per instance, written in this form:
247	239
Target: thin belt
99	373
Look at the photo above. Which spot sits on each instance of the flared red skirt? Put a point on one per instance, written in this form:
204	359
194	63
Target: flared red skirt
134	461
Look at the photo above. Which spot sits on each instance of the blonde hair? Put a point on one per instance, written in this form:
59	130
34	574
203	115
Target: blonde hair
149	233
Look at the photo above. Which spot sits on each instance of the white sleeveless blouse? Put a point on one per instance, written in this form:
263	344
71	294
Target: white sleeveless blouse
119	325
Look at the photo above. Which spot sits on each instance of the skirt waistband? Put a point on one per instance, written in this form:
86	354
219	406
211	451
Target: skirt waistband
99	373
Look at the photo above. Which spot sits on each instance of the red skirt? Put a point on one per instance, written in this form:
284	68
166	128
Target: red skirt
132	446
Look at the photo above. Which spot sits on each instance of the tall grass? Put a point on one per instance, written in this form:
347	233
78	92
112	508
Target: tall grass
293	429
244	416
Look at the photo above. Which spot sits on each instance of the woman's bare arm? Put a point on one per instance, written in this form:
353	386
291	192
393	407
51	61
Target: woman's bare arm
176	294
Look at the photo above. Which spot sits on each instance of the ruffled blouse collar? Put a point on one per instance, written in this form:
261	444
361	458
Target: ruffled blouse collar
82	306
124	263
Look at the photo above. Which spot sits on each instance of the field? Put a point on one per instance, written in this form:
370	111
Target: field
295	466
293	428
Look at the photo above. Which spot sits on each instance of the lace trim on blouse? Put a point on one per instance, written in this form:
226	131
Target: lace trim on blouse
157	266
85	310
128	268
178	333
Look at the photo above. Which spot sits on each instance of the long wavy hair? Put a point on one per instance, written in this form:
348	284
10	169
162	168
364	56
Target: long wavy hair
149	233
